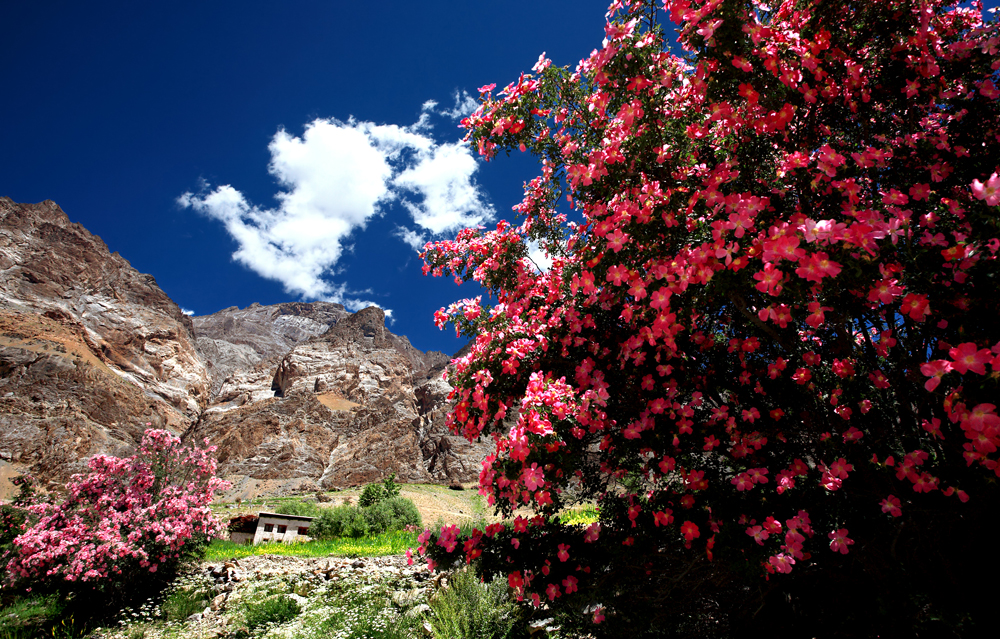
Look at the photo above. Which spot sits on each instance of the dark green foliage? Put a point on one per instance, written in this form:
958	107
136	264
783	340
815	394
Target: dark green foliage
395	513
374	493
471	609
275	610
14	517
385	515
299	507
371	495
340	521
390	487
181	603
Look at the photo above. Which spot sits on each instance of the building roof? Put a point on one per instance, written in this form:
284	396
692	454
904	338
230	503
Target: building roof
284	516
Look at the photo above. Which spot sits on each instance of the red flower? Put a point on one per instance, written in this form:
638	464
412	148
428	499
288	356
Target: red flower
690	530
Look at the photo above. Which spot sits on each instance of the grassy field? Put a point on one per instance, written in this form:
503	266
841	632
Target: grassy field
434	502
392	543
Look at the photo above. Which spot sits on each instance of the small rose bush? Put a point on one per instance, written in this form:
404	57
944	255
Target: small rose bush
121	524
764	335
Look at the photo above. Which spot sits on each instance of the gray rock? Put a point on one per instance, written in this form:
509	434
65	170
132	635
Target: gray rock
418	610
218	601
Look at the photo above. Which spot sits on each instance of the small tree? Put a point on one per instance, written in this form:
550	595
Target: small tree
15	517
767	342
126	520
371	495
390	487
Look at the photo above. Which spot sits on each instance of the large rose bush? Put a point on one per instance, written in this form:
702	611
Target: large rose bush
767	341
122	523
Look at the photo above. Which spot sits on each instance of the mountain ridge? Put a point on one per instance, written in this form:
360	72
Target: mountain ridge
298	393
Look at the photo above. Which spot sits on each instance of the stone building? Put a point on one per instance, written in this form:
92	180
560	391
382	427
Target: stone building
269	527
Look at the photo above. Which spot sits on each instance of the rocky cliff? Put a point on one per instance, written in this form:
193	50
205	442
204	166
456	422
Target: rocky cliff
343	407
304	393
235	340
90	349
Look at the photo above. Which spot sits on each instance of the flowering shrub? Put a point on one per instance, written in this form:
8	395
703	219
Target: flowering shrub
766	343
129	516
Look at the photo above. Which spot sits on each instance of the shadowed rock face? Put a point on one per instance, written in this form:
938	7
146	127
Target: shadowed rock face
91	351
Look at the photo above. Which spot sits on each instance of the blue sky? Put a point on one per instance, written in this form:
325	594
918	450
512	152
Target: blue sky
300	132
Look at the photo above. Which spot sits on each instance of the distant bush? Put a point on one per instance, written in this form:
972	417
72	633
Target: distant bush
395	513
299	507
384	515
340	521
390	487
371	495
374	493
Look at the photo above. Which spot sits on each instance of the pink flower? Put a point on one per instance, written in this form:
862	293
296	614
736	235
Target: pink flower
663	518
781	562
515	581
935	370
916	306
759	534
742	482
990	191
989	90
840	468
534	477
891	505
569	583
563	552
981	417
840	541
598	614
969	358
690	530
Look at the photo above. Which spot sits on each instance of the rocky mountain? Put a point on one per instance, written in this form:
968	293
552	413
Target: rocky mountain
295	394
343	406
90	349
234	340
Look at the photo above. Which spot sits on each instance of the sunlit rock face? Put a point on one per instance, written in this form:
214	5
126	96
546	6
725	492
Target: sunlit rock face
355	385
91	351
235	340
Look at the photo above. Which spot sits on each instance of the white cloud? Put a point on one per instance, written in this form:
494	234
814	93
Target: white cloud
186	311
443	176
414	240
334	179
465	104
539	257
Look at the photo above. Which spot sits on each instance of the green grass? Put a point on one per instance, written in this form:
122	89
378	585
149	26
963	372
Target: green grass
273	610
471	609
392	543
38	616
584	514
